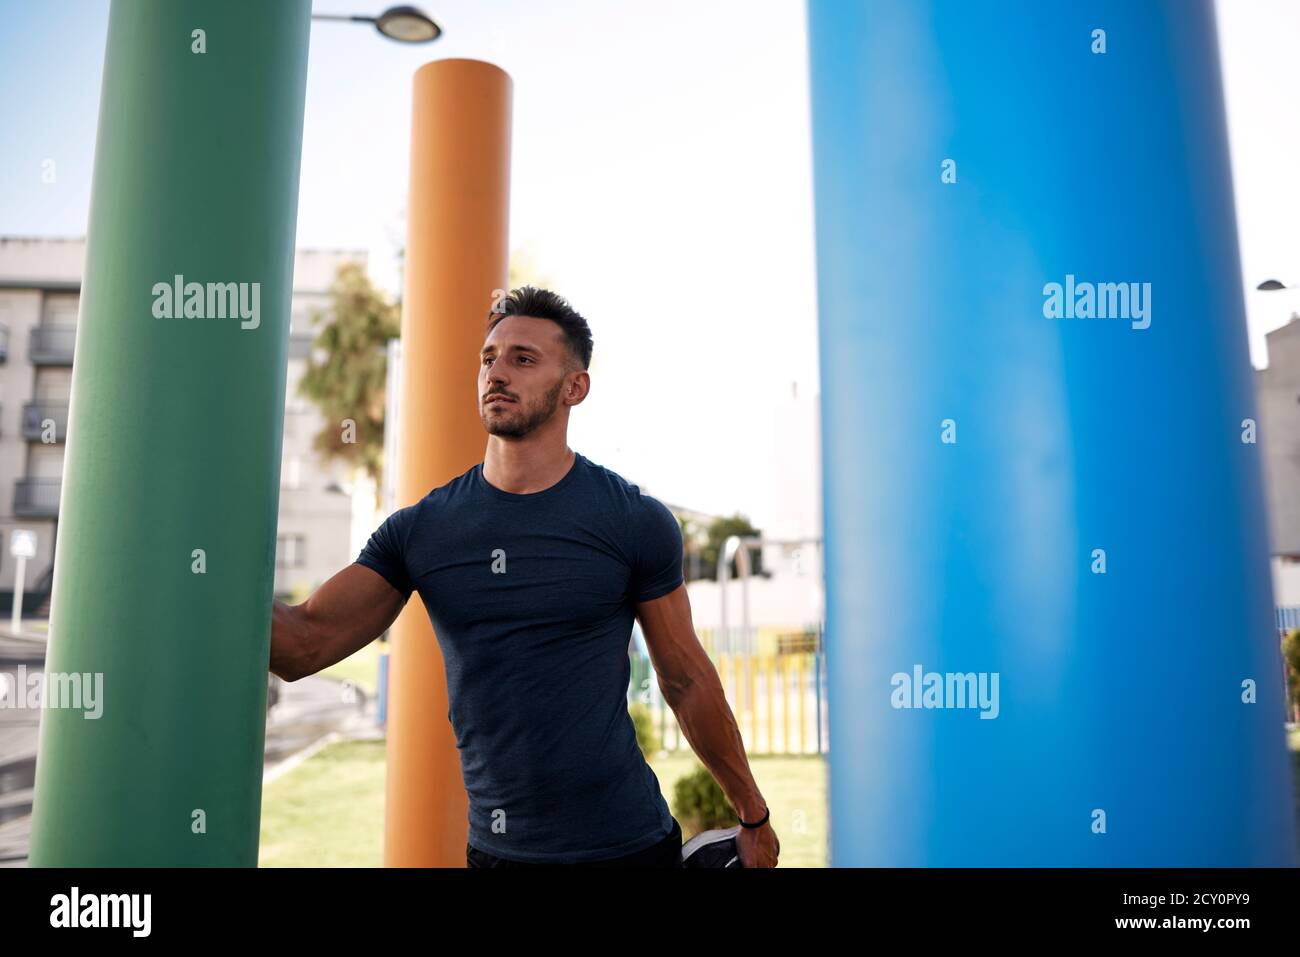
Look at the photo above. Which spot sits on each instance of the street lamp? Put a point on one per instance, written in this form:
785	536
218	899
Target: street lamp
1274	285
404	24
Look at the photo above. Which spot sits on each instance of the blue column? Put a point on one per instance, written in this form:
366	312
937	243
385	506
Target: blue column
1057	490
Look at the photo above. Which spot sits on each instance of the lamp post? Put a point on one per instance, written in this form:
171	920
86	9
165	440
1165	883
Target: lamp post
403	24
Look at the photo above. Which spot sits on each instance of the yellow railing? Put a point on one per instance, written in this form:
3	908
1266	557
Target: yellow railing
778	699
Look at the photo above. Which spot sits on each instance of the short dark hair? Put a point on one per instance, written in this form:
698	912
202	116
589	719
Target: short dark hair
544	304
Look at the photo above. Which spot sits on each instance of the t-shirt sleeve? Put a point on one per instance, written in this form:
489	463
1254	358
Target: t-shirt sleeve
658	568
385	551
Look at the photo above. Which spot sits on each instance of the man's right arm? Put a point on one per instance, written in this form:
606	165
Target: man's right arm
344	615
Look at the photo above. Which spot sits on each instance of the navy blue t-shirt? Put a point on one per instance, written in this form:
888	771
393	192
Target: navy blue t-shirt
532	598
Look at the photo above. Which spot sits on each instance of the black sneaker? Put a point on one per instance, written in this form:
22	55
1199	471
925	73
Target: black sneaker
712	849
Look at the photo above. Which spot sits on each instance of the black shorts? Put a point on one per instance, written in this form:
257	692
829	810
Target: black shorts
667	853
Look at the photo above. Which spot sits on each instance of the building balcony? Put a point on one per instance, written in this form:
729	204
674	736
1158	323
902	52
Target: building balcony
52	344
37	498
36	413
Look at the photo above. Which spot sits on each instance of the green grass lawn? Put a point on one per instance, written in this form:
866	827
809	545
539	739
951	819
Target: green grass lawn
362	667
329	811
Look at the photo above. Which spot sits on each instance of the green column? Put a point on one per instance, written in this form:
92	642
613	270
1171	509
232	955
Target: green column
164	563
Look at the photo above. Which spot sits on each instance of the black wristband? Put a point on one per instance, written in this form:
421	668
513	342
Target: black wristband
767	812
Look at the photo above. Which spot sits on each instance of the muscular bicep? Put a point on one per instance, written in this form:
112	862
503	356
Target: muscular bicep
349	611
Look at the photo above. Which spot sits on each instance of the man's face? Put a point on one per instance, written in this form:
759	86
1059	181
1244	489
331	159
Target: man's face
522	360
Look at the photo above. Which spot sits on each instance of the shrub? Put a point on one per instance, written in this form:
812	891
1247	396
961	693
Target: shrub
1291	658
700	804
644	723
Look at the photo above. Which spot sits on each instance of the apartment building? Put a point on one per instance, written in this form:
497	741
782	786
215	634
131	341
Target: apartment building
40	283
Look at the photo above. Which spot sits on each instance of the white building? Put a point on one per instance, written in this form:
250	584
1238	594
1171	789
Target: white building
1277	389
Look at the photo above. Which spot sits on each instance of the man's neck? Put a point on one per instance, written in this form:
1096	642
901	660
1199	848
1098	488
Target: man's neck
520	470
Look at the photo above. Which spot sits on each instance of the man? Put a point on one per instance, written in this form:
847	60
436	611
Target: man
532	566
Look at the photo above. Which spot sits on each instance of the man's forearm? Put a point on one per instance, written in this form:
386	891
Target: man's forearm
290	647
706	720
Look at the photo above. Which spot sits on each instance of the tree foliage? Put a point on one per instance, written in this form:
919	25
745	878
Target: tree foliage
347	370
707	539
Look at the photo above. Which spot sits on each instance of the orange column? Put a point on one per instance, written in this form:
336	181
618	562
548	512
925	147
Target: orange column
456	255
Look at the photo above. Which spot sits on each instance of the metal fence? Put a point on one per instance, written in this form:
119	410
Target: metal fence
777	688
1287	618
774	683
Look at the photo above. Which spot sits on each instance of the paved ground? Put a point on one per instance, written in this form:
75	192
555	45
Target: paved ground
17	747
307	710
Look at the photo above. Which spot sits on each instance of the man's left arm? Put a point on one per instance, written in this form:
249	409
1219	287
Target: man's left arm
690	685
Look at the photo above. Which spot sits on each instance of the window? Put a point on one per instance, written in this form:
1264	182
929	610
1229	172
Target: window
290	551
61	310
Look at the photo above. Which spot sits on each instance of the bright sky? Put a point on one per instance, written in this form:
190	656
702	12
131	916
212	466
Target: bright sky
661	180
